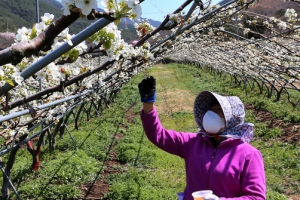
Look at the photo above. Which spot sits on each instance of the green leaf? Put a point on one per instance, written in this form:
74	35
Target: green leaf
33	33
107	44
111	36
117	21
93	37
74	55
10	82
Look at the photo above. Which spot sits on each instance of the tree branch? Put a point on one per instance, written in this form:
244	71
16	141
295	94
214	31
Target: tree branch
17	52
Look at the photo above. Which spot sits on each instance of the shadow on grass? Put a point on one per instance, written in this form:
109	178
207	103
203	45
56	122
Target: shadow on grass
117	124
63	163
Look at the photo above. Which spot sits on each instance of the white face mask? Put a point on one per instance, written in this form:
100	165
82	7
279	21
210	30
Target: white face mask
212	122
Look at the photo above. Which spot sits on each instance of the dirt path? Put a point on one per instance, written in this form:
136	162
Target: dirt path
291	131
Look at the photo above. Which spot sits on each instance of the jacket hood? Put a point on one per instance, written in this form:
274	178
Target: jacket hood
234	112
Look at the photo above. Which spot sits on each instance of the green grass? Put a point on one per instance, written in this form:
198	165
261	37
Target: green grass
148	172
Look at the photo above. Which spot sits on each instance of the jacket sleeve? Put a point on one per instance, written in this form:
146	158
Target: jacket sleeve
168	140
253	179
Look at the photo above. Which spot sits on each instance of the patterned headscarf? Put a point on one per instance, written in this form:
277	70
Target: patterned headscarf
234	112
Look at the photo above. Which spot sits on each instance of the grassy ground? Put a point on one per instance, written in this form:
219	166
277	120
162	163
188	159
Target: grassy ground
139	170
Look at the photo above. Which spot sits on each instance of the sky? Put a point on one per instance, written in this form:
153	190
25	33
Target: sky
158	9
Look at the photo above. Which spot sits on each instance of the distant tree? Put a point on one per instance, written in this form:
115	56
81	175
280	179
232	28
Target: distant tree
6	39
280	13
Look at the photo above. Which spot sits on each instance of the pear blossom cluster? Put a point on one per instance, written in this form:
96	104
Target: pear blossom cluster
25	34
176	18
274	61
115	46
144	27
291	15
9	72
9	134
82	6
52	74
123	8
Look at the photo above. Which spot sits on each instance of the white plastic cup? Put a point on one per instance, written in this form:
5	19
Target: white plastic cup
180	195
199	195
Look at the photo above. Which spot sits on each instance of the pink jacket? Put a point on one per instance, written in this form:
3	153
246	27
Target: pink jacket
235	170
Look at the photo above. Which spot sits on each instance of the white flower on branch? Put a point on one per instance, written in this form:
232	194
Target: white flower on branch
41	75
86	6
136	9
282	25
82	47
176	18
8	73
40	27
144	27
290	13
67	5
273	20
18	78
23	35
108	5
136	12
47	18
22	130
239	17
22	91
10	132
65	36
246	31
132	3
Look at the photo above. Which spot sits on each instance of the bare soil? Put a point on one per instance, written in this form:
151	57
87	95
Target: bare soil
100	186
291	131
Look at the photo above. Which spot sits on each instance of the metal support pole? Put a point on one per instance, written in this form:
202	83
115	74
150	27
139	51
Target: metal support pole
47	105
244	80
38	21
237	27
11	184
186	18
37	12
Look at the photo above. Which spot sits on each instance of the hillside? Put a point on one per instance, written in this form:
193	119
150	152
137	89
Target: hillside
20	13
273	8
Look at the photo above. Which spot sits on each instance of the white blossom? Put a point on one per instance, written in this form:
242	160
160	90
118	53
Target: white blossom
47	18
86	6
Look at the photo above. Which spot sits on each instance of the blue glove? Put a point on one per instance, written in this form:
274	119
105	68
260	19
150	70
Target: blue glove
147	89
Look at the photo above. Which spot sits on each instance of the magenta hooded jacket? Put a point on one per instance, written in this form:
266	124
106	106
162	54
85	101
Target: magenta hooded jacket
233	171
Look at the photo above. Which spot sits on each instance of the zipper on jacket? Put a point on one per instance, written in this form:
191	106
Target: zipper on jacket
214	154
209	170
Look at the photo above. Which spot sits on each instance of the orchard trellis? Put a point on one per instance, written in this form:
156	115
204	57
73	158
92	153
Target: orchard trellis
271	61
76	85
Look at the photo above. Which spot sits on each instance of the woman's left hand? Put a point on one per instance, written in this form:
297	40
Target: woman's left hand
211	197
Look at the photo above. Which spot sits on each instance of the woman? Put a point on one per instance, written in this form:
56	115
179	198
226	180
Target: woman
219	157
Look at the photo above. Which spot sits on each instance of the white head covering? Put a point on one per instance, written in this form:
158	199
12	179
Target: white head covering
234	112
